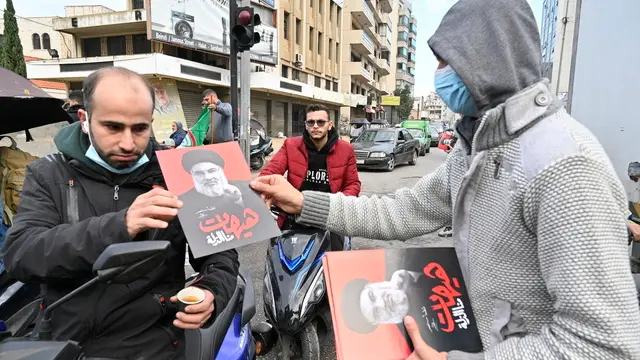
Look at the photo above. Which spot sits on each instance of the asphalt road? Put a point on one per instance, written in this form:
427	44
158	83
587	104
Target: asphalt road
373	183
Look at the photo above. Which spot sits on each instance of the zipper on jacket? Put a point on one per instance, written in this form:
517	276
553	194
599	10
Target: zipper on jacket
498	163
116	188
72	203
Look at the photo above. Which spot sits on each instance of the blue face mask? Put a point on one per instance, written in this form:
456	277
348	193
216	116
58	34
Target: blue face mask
92	154
454	92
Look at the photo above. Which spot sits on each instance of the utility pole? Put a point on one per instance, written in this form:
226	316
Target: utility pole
245	97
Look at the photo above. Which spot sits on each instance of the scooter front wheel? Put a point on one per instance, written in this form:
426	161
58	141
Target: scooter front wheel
305	346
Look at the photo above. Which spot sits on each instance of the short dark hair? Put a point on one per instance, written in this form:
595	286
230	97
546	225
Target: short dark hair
91	82
76	95
317	107
209	92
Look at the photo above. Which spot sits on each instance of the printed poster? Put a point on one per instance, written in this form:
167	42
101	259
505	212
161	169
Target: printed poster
220	210
371	291
168	108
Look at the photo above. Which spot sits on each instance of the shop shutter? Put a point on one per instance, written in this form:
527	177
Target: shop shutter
191	105
277	120
259	110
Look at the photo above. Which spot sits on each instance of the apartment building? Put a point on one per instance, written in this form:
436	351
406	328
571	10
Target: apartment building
310	40
434	107
405	68
367	34
557	35
39	41
184	57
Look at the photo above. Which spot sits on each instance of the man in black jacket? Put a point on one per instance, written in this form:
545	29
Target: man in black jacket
99	191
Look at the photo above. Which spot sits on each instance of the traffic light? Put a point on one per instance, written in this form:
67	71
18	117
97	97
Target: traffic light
243	31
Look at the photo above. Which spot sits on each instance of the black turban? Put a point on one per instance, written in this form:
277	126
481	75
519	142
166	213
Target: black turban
194	157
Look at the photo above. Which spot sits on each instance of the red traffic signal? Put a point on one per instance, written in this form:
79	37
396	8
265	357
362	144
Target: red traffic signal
243	31
244	18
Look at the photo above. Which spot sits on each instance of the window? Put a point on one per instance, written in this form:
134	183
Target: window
140	44
91	47
137	4
320	7
403	35
412	71
298	31
310	38
404	20
318	81
330	48
335	86
35	39
285	71
412	57
402	52
319	43
328	84
46	41
311	3
337	51
116	45
286	25
401	67
338	17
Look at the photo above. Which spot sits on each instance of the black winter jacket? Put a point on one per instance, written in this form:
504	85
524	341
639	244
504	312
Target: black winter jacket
70	211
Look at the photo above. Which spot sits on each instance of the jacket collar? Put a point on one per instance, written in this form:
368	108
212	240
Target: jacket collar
520	112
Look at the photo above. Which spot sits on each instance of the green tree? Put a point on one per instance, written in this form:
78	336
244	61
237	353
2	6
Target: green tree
12	56
406	102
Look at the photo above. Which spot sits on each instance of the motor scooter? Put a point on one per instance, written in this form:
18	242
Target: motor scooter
294	292
261	145
229	337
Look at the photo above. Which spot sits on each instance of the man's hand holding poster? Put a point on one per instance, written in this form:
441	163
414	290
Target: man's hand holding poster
220	210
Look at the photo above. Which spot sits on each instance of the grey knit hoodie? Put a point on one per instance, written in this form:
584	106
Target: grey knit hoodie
537	210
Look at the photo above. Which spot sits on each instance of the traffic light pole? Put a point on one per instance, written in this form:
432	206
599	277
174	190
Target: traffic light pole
233	69
245	103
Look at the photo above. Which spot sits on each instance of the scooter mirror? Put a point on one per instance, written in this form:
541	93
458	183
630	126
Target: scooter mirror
122	263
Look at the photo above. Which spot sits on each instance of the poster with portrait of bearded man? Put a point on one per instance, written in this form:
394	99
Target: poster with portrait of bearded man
220	211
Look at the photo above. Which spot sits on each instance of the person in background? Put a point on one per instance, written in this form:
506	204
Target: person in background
222	130
76	102
318	160
538	226
168	144
178	133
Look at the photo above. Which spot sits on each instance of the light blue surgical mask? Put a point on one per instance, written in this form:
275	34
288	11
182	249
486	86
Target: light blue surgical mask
454	92
92	154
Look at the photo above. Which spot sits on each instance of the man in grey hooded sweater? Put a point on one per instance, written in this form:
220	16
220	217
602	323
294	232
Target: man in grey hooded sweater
537	210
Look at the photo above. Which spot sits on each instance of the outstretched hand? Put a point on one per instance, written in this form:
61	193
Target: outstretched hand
421	351
276	190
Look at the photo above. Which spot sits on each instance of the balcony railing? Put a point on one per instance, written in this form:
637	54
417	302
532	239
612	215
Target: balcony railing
367	41
368	12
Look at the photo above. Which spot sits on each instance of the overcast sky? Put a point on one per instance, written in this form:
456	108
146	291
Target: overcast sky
429	13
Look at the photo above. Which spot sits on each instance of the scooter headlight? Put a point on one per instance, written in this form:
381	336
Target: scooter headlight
315	293
255	140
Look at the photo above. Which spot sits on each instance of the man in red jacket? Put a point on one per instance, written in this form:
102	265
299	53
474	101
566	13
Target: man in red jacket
318	160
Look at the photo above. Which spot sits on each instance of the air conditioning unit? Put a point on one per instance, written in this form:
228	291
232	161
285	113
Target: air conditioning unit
299	60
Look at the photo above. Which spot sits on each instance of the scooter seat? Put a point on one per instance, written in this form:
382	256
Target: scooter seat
205	343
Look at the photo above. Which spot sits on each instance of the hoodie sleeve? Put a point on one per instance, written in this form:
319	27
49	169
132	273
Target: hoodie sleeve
582	249
411	212
39	247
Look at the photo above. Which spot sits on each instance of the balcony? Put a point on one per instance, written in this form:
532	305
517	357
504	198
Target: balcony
356	70
360	41
363	14
413	28
384	68
386	6
125	22
405	76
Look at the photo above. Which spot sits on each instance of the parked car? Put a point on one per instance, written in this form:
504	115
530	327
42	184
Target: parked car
423	138
435	135
384	148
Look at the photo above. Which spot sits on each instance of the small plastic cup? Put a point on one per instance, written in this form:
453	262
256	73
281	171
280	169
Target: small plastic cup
189	296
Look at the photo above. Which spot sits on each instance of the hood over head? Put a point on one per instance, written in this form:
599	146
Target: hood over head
493	45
